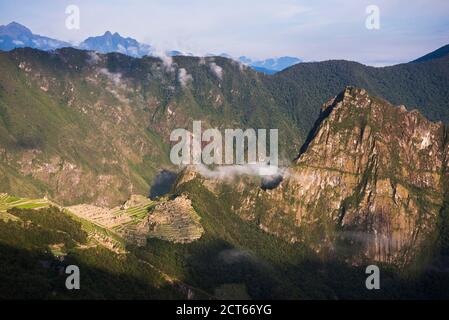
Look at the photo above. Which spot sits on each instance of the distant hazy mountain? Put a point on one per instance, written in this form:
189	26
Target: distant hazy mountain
245	60
116	43
272	65
15	35
174	53
263	70
267	66
276	64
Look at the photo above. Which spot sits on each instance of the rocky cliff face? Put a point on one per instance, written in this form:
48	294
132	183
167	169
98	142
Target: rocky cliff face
374	170
368	183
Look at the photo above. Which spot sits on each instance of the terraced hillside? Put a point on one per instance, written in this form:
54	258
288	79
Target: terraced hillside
43	237
126	221
8	202
173	220
138	218
98	233
36	245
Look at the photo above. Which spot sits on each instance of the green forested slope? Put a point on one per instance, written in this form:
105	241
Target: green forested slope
305	86
95	128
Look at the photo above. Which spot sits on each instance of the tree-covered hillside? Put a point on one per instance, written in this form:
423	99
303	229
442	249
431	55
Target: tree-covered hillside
305	86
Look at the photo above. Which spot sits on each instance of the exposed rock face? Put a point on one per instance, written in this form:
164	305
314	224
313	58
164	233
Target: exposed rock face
368	183
374	170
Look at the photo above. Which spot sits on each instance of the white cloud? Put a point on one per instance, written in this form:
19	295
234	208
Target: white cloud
93	57
216	69
184	77
229	172
115	77
240	64
167	61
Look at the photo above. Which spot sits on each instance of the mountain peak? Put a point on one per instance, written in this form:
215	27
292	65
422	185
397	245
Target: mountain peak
109	34
16	35
349	93
271	65
371	144
114	42
17	25
15	29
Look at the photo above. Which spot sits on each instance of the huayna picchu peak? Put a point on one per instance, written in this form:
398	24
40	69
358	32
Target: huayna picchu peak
369	184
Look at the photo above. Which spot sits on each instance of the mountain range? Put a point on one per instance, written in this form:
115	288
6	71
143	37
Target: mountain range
83	136
115	43
15	35
272	65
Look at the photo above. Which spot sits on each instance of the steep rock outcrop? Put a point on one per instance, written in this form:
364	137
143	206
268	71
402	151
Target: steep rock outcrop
368	184
374	170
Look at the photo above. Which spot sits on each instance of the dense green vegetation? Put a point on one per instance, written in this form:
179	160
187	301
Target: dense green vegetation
302	88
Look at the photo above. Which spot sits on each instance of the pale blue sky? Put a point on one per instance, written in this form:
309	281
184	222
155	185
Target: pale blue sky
312	30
